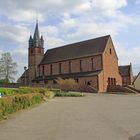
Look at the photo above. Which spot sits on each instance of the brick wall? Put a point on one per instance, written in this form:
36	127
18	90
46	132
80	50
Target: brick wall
75	66
126	80
93	81
110	65
35	56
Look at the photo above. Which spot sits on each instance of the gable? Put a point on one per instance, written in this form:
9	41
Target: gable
110	47
76	50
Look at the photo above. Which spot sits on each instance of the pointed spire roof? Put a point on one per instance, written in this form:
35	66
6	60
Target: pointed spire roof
36	34
30	37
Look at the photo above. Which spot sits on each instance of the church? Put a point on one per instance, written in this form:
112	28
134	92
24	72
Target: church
92	62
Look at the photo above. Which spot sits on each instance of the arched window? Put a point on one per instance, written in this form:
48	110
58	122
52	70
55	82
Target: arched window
110	51
114	81
93	64
51	69
70	66
43	70
60	70
109	81
81	65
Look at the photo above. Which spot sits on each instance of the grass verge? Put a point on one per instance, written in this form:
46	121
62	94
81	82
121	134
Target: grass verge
24	97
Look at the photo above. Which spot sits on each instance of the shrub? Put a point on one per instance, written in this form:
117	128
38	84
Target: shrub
66	84
50	94
22	90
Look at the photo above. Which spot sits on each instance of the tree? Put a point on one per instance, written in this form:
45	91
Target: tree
7	67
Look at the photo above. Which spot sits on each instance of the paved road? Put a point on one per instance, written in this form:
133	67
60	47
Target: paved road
94	117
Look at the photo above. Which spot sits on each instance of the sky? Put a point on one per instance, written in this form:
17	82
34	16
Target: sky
67	21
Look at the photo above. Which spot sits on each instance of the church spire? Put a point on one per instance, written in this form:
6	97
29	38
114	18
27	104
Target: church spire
36	33
36	41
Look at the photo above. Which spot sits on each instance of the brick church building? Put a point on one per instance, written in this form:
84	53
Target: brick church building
92	62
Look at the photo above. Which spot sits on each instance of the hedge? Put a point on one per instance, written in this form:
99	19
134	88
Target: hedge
12	104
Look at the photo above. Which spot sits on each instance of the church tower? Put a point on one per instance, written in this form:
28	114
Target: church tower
35	53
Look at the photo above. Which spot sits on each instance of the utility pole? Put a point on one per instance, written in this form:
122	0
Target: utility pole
43	80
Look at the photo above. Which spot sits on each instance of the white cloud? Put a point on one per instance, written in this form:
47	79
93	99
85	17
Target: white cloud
75	21
127	56
52	42
26	16
109	4
12	34
49	30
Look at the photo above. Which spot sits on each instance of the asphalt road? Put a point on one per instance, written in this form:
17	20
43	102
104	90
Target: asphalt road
94	117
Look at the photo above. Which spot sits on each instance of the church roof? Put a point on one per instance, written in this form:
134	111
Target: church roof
124	70
76	50
136	77
69	75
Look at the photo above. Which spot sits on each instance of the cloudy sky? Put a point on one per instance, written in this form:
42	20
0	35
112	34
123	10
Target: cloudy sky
67	21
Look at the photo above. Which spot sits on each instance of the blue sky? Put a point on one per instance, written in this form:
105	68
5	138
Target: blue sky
64	21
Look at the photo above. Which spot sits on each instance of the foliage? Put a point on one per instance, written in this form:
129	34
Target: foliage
69	94
7	67
50	94
66	84
12	104
3	81
7	91
22	90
